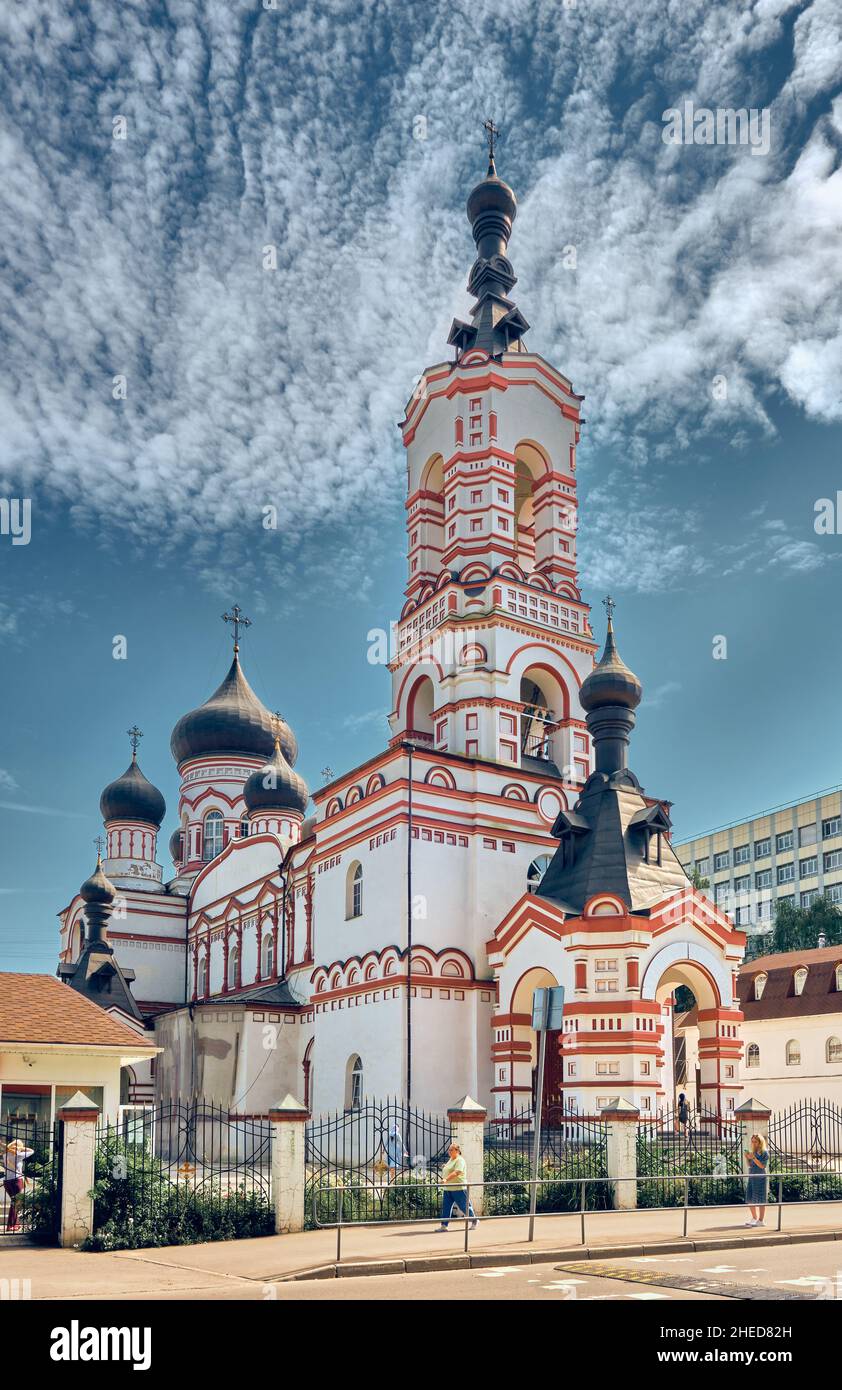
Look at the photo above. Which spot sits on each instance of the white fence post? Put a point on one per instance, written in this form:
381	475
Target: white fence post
467	1123
622	1117
289	1121
76	1217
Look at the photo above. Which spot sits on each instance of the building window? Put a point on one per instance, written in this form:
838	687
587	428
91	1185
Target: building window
786	899
607	986
839	978
762	848
212	835
763	879
244	829
742	854
603	965
267	958
233	964
799	980
476	497
721	861
703	866
354	1084
354	891
808	868
753	1055
834	892
536	872
807	835
470	721
833	1051
831	826
784	841
608	1068
742	884
759	985
786	873
202	985
832	860
645	1068
809	897
793	1053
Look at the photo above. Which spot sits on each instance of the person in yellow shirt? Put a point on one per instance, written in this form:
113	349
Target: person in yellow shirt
454	1176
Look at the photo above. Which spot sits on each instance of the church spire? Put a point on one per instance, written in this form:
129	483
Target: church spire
609	696
497	324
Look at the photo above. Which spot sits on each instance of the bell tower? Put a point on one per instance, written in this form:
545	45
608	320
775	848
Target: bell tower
494	639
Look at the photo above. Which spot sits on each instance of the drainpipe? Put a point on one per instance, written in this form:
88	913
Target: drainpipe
408	749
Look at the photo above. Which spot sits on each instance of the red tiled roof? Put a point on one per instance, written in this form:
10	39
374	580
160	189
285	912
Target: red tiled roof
819	996
39	1009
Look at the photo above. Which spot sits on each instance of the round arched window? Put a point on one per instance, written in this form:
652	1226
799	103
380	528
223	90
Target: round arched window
536	871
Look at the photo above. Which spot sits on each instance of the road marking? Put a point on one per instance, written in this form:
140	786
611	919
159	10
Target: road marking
807	1281
499	1272
700	1283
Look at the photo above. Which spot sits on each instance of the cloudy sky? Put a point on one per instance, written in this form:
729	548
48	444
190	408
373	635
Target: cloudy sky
692	292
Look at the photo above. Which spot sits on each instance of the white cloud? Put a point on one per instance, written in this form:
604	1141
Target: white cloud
7	781
294	127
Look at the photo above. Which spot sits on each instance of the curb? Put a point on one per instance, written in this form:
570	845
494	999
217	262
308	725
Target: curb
436	1264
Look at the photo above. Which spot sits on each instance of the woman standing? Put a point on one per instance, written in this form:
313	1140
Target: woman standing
757	1158
14	1182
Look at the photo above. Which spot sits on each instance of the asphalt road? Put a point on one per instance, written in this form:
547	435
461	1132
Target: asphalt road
780	1273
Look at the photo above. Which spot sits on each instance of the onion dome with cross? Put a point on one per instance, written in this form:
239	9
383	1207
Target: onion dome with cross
275	786
132	797
232	720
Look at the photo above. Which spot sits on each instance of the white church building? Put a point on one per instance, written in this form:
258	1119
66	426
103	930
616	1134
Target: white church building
388	942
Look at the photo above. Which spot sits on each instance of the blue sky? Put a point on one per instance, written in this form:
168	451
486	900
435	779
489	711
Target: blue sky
298	127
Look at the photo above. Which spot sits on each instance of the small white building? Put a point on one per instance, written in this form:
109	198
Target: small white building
55	1042
792	1029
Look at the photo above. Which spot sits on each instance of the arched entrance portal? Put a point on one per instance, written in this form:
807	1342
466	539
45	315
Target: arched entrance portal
702	1058
524	1050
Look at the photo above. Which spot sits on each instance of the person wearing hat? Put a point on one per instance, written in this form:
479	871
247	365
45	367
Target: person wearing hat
14	1182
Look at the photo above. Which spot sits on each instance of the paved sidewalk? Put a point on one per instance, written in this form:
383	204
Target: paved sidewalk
197	1269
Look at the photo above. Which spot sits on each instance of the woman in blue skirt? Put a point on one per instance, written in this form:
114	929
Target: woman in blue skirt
757	1158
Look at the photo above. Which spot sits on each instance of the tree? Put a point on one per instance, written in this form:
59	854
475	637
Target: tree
700	883
799	928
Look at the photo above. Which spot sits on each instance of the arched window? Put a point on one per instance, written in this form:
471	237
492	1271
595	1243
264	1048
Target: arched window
793	1053
233	963
212	835
354	891
536	872
753	1055
267	957
759	985
839	978
354	1083
799	980
202	984
833	1050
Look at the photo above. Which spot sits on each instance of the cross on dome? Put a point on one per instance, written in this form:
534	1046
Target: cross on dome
100	846
135	735
238	619
493	133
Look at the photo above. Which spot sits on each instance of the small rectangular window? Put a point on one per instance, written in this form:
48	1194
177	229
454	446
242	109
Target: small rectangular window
762	848
831	826
784	841
742	854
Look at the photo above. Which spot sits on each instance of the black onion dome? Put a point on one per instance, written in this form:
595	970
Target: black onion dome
98	888
610	682
132	797
176	850
275	787
492	208
232	721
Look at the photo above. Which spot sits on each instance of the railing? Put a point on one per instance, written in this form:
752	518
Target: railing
468	1220
29	1204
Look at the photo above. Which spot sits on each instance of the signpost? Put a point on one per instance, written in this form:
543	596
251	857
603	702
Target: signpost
547	1013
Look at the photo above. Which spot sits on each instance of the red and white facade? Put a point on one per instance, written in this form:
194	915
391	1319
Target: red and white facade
437	838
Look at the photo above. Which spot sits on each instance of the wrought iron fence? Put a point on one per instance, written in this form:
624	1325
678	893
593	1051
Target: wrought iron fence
805	1144
30	1194
704	1144
572	1146
385	1153
175	1174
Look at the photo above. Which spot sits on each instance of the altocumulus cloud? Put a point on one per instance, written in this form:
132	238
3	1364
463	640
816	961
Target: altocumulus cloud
296	128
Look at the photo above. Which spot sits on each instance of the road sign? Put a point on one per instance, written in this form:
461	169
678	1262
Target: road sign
547	1008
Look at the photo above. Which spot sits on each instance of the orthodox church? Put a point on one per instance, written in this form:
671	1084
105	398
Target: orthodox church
388	943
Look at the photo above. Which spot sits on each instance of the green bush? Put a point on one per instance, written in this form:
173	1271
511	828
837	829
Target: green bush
513	1169
137	1205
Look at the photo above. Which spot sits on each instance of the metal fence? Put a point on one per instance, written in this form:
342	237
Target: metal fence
572	1146
706	1145
175	1174
387	1155
805	1143
30	1193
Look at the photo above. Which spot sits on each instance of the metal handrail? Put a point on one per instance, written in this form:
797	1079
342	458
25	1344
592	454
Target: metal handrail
685	1178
